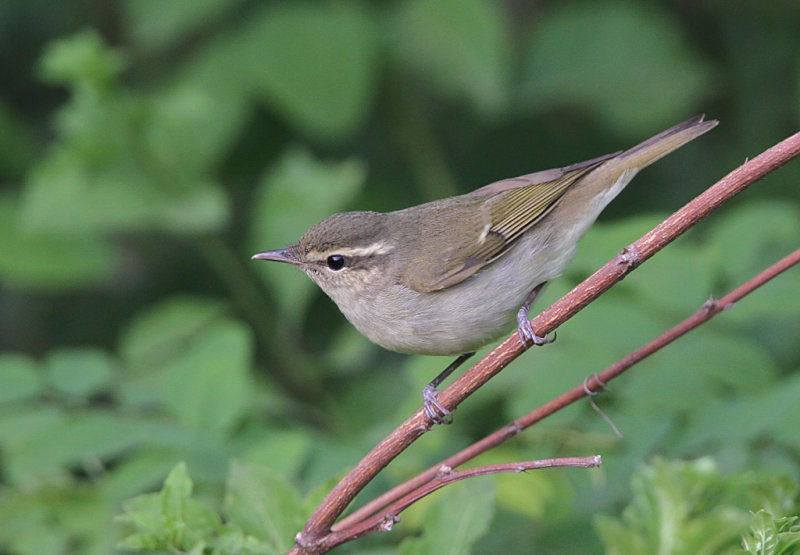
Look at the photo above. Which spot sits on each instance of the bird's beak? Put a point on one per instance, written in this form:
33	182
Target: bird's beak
281	255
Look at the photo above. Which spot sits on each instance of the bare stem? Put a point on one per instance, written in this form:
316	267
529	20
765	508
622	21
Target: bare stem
443	476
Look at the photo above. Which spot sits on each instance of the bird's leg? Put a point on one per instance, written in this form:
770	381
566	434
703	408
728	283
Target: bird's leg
429	403
524	329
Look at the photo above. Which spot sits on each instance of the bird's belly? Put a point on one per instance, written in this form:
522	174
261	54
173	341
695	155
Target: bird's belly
466	316
440	325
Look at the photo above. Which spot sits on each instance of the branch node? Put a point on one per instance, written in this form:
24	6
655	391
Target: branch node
299	540
514	428
388	523
629	256
711	304
601	386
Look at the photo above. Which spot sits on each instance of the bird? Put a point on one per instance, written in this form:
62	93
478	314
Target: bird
449	276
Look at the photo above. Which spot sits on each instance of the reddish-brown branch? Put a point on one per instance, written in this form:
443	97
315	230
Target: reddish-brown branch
708	311
312	538
443	476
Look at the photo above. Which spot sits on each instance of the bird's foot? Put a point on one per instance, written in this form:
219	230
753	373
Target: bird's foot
526	333
433	408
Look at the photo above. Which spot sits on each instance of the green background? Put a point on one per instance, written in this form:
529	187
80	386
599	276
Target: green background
148	148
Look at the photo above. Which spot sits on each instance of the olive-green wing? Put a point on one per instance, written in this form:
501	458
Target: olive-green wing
514	205
503	218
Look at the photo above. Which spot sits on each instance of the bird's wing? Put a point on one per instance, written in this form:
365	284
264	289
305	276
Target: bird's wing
511	208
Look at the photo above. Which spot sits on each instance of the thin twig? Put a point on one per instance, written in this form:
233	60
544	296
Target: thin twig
313	537
443	476
709	309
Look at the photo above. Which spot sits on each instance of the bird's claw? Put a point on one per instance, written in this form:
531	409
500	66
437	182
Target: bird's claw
526	333
433	408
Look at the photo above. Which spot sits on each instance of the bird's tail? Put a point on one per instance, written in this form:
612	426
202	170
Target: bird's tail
655	148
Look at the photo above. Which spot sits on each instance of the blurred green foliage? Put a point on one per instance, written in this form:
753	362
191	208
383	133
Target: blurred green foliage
148	148
688	507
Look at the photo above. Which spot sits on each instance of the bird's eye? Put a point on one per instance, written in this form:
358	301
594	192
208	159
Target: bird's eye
335	261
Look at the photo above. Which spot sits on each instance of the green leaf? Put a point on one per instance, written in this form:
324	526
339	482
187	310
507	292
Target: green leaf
54	518
170	520
705	362
677	507
458	516
176	492
536	494
138	471
20	378
123	161
82	60
143	513
40	442
298	185
581	53
284	451
763	535
738	254
80	372
202	209
461	46
315	64
679	280
57	440
264	505
738	251
71	194
157	334
754	415
777	494
209	387
191	129
772	536
154	25
205	383
31	261
24	420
